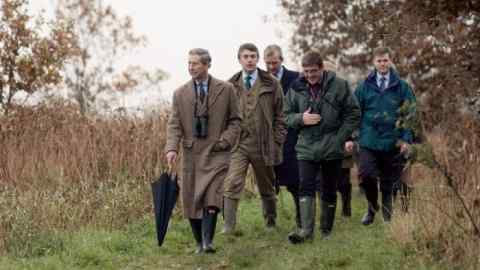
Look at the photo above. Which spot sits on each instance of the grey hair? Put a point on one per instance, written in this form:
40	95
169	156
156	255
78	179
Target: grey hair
205	57
270	50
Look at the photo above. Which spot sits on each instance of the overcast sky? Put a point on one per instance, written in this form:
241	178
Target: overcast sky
174	27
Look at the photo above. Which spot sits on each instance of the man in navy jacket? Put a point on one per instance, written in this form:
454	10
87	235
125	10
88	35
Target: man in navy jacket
287	172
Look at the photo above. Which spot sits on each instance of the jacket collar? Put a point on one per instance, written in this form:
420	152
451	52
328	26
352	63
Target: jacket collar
214	89
371	80
266	81
301	84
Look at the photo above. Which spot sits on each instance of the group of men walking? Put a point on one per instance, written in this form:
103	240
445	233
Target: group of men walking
294	129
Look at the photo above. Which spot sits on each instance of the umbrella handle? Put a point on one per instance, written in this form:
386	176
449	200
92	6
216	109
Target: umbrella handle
172	169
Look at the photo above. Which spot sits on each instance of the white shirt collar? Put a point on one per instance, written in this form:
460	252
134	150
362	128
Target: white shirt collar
279	74
386	76
253	76
203	83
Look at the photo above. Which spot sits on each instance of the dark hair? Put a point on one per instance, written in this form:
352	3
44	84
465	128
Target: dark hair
248	47
379	51
312	58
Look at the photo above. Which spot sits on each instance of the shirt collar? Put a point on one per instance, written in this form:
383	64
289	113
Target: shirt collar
253	75
279	74
203	83
387	76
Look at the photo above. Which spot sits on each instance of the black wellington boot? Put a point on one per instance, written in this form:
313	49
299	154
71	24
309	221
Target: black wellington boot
346	193
327	218
209	223
196	225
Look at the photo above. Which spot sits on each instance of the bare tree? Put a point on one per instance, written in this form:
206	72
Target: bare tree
103	38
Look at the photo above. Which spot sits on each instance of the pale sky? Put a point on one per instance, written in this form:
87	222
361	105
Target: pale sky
174	27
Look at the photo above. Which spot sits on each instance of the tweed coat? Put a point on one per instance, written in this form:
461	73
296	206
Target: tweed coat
204	166
271	127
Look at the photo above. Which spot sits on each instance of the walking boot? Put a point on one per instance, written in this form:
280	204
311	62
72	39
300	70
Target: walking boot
269	212
230	207
369	217
327	218
209	223
196	225
307	215
387	201
346	193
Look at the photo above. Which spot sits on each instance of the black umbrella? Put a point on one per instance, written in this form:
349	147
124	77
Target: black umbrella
165	192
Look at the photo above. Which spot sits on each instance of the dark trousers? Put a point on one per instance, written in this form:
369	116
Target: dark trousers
293	189
383	166
344	185
327	172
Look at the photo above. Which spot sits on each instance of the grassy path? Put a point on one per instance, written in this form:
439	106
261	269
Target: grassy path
352	246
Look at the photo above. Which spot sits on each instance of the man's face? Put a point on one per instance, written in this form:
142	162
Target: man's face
273	63
382	63
196	68
248	60
313	73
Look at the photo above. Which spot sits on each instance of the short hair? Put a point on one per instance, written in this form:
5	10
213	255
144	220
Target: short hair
205	57
273	49
379	51
247	47
312	58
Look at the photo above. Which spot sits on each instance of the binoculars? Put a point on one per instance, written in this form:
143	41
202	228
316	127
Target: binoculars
200	126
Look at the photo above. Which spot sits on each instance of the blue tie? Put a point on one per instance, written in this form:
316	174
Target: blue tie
248	84
201	88
383	81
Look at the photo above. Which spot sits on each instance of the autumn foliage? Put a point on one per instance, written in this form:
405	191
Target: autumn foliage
32	52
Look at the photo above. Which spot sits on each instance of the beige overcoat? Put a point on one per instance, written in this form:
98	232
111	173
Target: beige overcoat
203	168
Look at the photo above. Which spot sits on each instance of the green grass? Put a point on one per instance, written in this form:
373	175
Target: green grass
352	246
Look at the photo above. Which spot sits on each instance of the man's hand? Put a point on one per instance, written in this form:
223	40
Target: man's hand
310	119
404	147
221	145
349	146
171	157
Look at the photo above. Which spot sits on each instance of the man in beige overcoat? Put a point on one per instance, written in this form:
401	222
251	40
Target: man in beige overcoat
263	131
205	118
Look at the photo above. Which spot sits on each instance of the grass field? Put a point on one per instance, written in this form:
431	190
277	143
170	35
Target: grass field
352	246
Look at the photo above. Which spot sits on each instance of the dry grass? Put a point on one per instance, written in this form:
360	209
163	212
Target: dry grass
438	225
62	171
